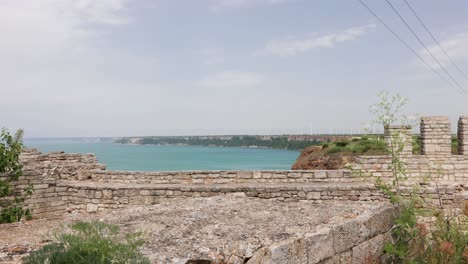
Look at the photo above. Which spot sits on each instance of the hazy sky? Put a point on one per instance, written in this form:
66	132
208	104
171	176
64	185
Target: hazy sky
164	67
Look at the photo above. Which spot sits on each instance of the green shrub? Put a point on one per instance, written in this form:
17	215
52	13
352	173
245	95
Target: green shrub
91	242
341	143
12	207
355	139
335	149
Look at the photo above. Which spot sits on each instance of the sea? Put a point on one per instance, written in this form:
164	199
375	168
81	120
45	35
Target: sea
169	158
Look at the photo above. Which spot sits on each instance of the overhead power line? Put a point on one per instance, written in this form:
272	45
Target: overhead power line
424	45
435	40
409	47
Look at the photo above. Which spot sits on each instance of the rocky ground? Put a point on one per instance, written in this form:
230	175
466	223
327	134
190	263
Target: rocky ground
179	230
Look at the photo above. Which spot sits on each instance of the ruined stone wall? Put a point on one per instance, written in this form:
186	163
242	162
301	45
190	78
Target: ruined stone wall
44	171
92	197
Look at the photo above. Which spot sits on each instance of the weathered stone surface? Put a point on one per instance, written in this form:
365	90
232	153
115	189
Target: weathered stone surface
319	245
370	250
223	229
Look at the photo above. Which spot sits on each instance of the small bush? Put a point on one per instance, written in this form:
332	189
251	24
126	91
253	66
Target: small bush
355	139
12	200
91	242
324	146
341	143
335	150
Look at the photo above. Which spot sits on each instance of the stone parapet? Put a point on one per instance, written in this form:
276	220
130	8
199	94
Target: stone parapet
463	135
399	139
436	136
222	177
91	197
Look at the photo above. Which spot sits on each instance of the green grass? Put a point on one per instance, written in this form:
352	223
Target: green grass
91	242
368	145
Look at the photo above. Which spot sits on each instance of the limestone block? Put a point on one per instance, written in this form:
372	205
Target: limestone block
288	251
320	174
91	208
319	245
107	194
313	195
346	235
370	250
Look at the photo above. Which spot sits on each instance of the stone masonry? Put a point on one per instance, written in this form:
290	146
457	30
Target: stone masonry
396	136
463	135
436	136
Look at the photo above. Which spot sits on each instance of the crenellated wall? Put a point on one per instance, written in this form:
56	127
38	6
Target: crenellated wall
436	161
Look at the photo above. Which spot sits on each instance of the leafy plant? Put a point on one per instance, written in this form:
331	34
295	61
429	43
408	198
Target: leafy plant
444	240
91	242
12	207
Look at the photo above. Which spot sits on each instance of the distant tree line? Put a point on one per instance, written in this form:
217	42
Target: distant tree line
235	141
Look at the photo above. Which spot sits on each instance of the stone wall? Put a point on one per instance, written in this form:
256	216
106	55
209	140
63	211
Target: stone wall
419	168
221	177
92	197
44	171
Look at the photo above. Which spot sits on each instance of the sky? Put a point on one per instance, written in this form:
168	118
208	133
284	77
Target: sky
72	68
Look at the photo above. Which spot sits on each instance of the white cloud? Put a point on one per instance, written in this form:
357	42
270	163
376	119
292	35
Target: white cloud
291	47
232	79
220	4
33	30
456	46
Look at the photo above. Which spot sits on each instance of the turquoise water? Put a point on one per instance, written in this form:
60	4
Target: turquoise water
169	158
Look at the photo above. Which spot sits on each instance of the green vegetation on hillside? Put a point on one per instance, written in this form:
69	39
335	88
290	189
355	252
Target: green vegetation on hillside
366	145
374	145
363	145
